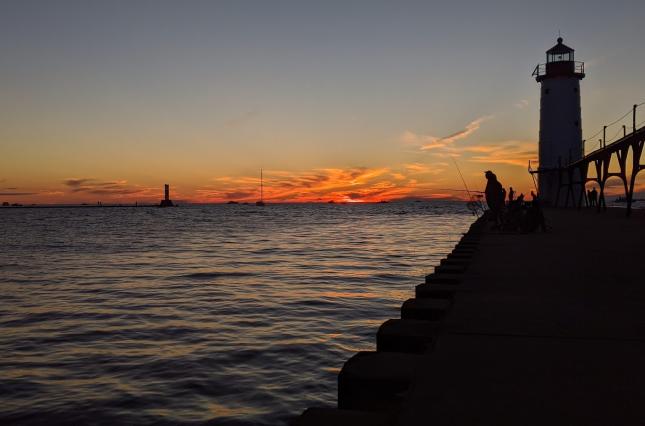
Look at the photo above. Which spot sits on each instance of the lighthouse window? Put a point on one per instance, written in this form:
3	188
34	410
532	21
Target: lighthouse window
559	57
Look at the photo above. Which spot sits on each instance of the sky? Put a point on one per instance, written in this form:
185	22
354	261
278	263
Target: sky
334	100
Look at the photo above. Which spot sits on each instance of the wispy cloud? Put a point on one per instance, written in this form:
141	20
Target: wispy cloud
516	153
523	103
430	142
341	185
422	169
11	194
108	188
75	183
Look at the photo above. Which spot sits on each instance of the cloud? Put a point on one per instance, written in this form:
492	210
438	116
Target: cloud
429	142
420	168
523	103
341	185
398	176
109	188
236	195
11	194
515	153
73	182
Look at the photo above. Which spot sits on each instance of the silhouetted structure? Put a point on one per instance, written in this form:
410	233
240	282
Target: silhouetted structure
571	177
166	202
560	140
261	202
563	165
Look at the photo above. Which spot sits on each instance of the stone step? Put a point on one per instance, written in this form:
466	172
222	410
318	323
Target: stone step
449	269
463	251
450	279
465	248
467	244
462	256
376	381
323	416
436	291
406	335
425	309
455	262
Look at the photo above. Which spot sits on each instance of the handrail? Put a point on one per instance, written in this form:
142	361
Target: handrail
541	69
623	125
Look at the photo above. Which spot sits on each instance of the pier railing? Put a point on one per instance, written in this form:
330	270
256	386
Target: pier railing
622	143
575	67
613	132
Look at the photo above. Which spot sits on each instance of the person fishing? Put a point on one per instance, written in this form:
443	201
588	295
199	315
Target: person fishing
495	196
535	216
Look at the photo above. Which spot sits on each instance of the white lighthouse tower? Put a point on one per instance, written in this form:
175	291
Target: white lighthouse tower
560	120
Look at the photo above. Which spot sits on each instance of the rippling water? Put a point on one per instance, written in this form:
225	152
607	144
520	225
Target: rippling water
227	314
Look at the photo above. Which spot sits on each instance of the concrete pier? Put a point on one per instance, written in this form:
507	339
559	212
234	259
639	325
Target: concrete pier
544	329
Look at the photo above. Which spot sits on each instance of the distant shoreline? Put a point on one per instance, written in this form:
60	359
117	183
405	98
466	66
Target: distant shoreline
62	206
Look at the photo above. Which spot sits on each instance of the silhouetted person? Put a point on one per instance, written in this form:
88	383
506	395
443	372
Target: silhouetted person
511	194
494	195
534	216
594	197
514	214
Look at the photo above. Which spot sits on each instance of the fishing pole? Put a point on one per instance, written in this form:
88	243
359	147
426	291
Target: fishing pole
472	201
460	175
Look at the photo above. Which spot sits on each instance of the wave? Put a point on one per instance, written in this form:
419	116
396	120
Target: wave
210	275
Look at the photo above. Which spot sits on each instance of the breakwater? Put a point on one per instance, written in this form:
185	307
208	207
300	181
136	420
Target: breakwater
512	329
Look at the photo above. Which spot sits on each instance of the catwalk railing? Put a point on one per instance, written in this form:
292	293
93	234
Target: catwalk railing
622	146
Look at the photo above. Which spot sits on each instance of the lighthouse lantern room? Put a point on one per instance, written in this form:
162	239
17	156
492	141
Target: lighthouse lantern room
560	140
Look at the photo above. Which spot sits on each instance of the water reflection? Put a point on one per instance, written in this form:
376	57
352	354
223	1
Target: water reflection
234	313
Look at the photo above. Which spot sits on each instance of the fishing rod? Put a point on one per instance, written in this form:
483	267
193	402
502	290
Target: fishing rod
472	204
460	175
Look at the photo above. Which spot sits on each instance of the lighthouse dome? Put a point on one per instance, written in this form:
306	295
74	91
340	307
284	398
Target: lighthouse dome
559	52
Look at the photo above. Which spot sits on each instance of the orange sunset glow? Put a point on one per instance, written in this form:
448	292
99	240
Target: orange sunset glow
92	114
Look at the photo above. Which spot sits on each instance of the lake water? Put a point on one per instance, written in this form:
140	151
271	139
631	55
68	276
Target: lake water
223	314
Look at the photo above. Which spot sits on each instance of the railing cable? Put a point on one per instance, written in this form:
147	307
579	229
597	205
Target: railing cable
592	137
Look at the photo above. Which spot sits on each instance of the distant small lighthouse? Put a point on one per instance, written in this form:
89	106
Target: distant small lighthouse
166	202
560	140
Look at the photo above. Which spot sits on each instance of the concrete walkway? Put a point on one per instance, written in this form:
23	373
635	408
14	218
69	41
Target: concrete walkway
551	330
544	329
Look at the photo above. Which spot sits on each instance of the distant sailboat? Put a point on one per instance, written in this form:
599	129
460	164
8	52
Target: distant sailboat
261	202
